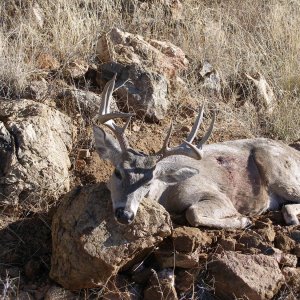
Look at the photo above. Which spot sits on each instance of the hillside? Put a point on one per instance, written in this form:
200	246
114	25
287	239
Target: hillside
238	59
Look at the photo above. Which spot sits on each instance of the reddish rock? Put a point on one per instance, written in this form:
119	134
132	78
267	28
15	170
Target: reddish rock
253	276
188	239
169	259
284	242
227	244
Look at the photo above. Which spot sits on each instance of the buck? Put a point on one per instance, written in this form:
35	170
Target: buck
216	185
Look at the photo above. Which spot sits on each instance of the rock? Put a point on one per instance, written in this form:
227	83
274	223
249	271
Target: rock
251	276
265	98
169	259
283	242
295	145
185	279
145	93
268	233
37	90
227	244
188	239
210	79
297	250
7	150
35	160
161	286
295	235
288	260
144	69
58	293
126	48
89	247
292	277
85	103
76	69
251	240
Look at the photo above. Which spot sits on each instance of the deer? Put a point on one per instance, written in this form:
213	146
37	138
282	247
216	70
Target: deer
220	185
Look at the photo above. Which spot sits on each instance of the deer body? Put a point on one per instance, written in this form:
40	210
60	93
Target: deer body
235	179
215	185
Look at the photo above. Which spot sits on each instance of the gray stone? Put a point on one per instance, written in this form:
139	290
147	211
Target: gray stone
139	90
144	67
35	141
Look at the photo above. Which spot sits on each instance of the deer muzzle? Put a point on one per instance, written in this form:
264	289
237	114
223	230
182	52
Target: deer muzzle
124	216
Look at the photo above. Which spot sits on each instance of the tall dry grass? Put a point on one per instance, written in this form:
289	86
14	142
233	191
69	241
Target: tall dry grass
236	37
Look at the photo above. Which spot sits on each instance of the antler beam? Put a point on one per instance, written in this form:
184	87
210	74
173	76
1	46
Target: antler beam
187	148
106	117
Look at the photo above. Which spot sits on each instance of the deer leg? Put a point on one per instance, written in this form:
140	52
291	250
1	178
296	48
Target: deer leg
217	213
290	212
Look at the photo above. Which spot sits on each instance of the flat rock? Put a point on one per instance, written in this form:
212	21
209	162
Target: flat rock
89	246
237	275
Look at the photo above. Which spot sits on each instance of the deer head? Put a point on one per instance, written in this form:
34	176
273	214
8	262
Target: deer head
137	174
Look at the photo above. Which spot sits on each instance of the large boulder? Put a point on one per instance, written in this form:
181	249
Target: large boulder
254	277
89	246
145	93
35	141
126	48
144	69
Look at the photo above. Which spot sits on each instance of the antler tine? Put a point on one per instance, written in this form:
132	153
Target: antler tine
208	132
187	148
196	125
106	97
165	147
106	117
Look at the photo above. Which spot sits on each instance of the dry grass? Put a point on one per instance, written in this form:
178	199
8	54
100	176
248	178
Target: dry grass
252	36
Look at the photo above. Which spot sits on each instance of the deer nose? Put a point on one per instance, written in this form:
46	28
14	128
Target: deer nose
123	216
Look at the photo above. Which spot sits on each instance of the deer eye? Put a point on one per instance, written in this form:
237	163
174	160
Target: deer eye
118	174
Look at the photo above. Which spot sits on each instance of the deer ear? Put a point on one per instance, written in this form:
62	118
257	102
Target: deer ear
107	146
173	175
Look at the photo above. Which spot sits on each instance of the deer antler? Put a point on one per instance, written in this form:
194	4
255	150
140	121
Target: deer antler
107	118
187	148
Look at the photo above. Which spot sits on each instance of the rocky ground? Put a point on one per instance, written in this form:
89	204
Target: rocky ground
58	237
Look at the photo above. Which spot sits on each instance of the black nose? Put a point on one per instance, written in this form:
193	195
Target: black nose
123	216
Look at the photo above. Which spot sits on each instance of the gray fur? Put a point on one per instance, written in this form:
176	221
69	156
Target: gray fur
232	181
